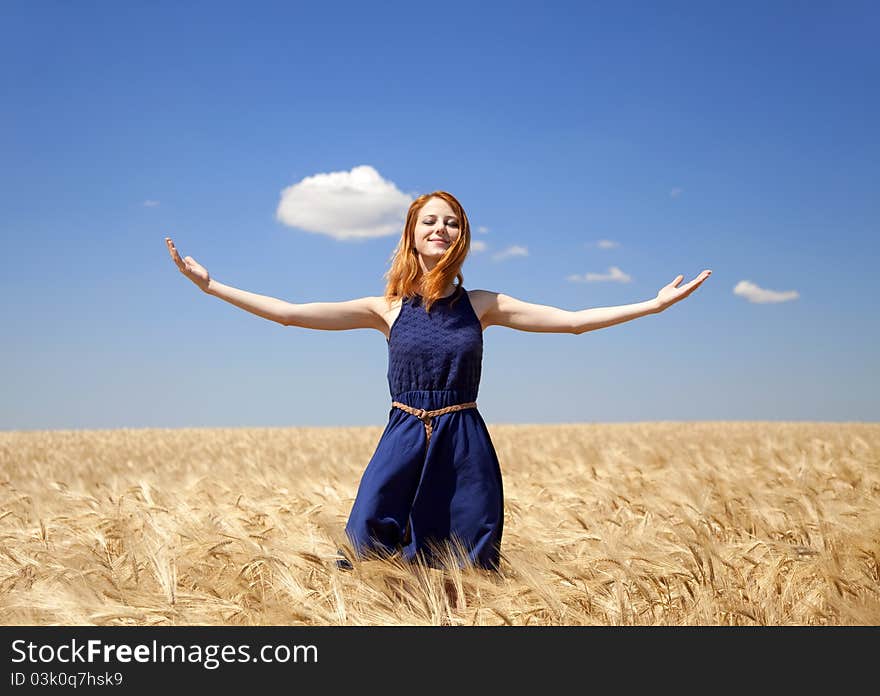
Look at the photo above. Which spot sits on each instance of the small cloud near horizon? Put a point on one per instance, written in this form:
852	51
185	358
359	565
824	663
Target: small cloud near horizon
676	192
607	244
478	245
482	229
758	295
510	252
614	275
345	205
150	204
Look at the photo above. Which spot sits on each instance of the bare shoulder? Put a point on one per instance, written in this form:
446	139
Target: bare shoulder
482	301
388	311
385	312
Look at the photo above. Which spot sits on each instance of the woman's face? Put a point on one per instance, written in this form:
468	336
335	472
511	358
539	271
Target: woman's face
437	227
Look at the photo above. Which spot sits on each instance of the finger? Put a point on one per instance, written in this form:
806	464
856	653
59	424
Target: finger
699	279
693	285
179	261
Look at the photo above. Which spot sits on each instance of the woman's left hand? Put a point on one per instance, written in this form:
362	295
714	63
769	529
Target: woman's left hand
671	294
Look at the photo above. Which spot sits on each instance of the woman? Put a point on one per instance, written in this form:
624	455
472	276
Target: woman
433	485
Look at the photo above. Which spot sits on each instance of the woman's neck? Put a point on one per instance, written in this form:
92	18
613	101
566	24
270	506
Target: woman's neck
450	290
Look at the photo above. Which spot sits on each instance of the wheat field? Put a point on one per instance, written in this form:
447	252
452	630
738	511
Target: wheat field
734	523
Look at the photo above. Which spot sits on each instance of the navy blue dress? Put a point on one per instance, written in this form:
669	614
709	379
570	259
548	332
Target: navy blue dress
413	498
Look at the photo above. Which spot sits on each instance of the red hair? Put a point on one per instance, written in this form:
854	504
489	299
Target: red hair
405	277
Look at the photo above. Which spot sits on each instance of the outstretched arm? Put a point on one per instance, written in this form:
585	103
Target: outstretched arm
362	313
504	310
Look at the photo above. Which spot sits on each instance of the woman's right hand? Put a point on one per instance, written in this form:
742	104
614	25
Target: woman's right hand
191	268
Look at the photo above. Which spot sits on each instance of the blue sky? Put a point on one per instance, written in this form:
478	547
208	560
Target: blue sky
740	137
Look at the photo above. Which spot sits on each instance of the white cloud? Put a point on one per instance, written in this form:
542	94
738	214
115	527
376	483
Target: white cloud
676	192
511	251
606	244
150	204
482	229
756	295
614	275
358	204
477	245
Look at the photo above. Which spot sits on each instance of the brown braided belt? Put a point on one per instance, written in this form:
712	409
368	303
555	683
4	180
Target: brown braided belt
426	416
